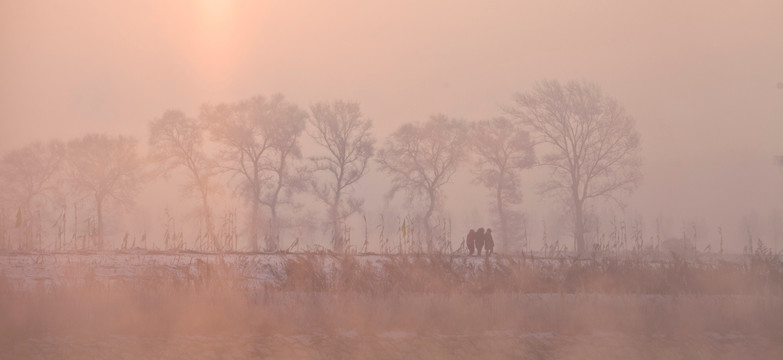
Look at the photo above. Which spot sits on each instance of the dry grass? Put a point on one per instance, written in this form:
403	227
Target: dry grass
513	274
422	294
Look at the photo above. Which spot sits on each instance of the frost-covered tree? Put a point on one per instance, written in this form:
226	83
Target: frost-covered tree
503	149
254	134
421	159
285	150
593	143
28	177
108	169
177	143
341	130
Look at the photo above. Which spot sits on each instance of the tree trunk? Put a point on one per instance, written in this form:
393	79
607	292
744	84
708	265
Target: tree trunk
273	241
337	239
254	223
427	226
99	210
579	228
274	229
207	215
502	215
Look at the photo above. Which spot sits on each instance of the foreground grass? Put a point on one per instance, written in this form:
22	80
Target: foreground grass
510	303
395	345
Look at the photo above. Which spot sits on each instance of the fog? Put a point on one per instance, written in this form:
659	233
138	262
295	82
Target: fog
702	80
699	78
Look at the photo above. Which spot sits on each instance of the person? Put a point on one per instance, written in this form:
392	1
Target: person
489	243
470	240
479	240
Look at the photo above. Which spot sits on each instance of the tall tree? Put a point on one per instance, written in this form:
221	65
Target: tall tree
421	159
288	125
29	179
502	150
107	169
176	142
253	132
341	130
594	144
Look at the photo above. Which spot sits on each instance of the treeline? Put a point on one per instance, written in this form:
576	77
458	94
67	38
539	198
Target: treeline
252	149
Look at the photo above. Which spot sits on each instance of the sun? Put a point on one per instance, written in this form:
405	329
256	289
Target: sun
216	8
216	38
216	18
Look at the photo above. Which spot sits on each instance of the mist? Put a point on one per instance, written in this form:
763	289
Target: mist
700	80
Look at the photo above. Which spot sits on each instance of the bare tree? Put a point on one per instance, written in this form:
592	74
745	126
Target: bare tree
288	125
176	141
503	149
105	168
421	158
594	144
252	132
344	133
29	179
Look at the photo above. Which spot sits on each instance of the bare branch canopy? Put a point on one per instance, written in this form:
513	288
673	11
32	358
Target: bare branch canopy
593	143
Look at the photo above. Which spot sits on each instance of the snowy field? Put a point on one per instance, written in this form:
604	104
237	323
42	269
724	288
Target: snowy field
156	305
46	270
28	270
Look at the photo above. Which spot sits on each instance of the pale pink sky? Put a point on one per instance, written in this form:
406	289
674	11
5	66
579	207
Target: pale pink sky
698	76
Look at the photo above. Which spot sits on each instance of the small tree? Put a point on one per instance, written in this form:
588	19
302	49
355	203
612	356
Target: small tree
421	159
29	179
594	144
254	134
344	133
284	134
502	150
176	141
105	168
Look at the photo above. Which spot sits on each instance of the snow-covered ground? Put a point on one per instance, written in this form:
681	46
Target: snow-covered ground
45	270
294	324
34	270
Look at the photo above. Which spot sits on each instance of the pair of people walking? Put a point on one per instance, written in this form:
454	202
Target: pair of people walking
478	239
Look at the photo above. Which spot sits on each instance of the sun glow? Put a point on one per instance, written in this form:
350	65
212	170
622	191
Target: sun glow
217	16
216	8
217	38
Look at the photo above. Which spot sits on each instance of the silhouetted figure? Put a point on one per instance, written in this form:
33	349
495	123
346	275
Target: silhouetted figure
479	240
489	243
470	240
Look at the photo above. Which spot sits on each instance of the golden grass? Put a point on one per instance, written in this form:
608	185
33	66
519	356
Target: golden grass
421	294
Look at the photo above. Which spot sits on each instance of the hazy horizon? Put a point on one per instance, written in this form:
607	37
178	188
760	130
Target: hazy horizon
700	79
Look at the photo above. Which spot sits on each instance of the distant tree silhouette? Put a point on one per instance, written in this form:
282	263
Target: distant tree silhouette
284	180
176	142
107	169
421	159
594	144
502	150
29	179
257	136
341	130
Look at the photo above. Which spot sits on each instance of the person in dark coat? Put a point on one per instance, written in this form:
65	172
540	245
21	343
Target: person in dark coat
471	240
479	240
489	243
